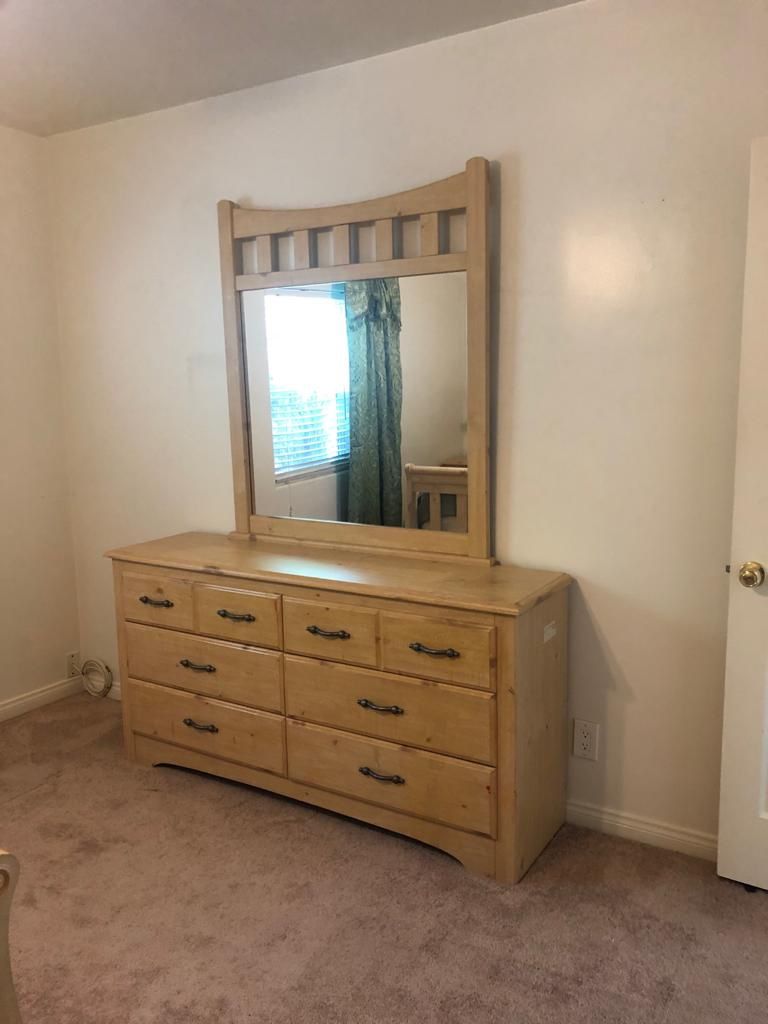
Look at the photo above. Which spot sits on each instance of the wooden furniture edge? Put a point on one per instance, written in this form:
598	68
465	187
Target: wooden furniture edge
368	549
125	557
9	874
531	765
237	394
445	194
561	582
446	263
478	353
378	538
474	851
466	191
122	651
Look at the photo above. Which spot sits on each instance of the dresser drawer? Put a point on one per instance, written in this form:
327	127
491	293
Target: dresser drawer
244	675
253	738
159	601
443	718
428	785
455	652
340	632
249	618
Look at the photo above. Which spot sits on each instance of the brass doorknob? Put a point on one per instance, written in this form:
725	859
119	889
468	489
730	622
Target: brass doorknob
751	574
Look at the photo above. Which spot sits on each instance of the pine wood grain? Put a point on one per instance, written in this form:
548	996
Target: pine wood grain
476	852
502	590
361	645
264	631
475	647
243	735
445	719
242	675
437	788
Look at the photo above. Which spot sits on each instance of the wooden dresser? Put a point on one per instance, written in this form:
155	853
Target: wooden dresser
423	696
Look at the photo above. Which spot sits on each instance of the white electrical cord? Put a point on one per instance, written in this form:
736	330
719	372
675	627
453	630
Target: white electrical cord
97	677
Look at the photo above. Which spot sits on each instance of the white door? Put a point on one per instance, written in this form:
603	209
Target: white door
743	837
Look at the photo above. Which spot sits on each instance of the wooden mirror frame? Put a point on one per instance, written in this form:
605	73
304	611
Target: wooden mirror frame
465	192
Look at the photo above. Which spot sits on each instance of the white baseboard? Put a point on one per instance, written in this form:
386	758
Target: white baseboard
643	830
12	707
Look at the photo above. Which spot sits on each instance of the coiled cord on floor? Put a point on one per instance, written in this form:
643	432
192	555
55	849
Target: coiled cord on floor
97	677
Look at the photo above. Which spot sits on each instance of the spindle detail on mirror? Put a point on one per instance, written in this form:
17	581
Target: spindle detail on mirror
310	440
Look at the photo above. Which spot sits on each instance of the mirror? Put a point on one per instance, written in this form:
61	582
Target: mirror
357	395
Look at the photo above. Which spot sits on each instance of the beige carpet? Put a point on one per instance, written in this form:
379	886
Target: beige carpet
156	896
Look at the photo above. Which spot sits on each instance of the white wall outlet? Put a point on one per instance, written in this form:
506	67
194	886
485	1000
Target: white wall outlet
73	664
585	739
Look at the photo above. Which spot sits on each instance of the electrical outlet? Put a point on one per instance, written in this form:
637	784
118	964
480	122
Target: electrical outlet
73	664
585	739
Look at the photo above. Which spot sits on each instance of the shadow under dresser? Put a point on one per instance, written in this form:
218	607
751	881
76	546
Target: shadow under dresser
423	696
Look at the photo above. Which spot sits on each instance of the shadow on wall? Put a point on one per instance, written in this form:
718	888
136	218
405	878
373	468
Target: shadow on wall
602	681
669	655
599	677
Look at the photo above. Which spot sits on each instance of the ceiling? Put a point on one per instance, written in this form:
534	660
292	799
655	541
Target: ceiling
65	64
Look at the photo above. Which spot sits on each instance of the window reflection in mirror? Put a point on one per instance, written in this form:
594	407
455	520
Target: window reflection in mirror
358	396
308	366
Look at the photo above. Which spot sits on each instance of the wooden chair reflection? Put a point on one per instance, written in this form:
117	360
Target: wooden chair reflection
9	872
436	498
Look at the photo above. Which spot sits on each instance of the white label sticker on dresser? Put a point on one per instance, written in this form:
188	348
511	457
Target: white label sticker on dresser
550	631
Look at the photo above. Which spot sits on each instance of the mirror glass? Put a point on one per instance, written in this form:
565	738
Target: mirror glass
358	400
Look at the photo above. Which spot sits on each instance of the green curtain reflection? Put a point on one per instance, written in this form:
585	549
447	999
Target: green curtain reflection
375	402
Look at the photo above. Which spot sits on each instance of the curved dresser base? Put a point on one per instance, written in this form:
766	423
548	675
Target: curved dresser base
476	853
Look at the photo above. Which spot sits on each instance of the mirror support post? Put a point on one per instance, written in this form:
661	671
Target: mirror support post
236	373
478	344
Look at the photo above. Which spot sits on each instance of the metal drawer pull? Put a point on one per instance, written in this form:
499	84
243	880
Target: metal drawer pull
200	728
156	604
397	780
436	652
186	663
329	634
235	617
393	709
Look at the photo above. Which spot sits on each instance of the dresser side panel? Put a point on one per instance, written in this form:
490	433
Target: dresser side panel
541	671
122	650
506	719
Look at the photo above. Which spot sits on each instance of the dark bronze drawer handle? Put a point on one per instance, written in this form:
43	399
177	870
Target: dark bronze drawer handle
392	709
436	652
397	780
156	604
329	634
235	617
200	728
186	663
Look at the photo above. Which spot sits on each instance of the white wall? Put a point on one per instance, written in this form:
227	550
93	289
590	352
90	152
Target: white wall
38	614
620	134
433	352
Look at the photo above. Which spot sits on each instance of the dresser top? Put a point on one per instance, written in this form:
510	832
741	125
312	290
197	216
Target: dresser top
499	589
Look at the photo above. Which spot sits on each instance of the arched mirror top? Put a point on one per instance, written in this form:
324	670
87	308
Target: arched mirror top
357	358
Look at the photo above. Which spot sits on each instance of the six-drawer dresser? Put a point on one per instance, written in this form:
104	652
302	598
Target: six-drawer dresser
422	696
